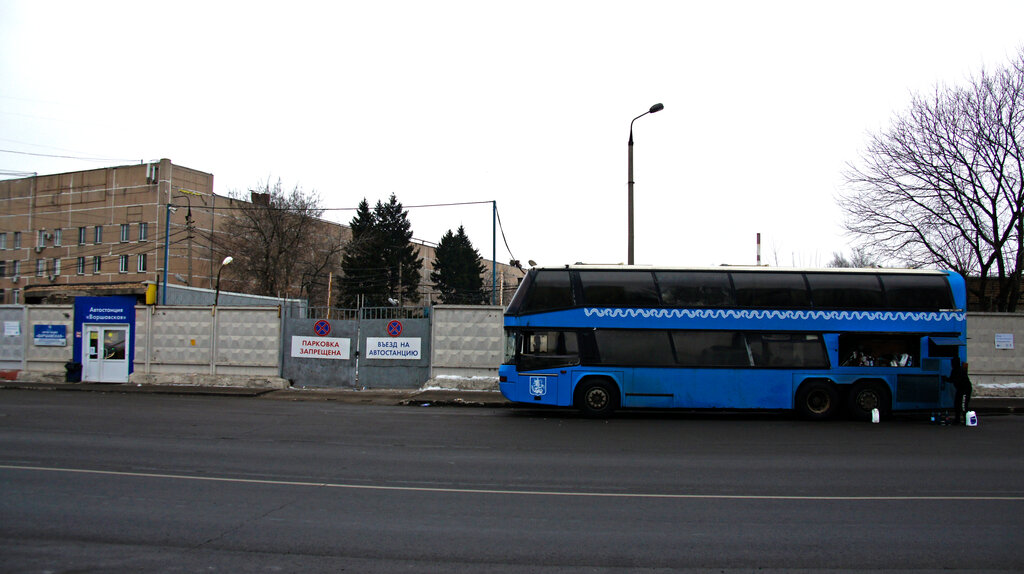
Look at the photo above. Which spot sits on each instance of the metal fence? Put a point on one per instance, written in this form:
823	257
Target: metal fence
339	314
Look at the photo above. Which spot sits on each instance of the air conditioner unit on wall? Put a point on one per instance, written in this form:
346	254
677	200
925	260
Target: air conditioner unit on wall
48	236
39	248
15	279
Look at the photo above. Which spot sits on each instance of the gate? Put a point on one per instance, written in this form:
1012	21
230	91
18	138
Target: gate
373	347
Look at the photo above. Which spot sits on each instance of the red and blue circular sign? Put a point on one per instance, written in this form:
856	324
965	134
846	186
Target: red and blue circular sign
322	328
395	328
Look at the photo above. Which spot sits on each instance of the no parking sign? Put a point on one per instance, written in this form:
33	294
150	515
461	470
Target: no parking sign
395	328
322	328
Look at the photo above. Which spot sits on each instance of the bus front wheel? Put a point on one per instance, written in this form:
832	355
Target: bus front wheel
817	400
597	398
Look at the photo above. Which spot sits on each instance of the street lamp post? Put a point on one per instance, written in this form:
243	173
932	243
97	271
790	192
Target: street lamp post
654	108
224	263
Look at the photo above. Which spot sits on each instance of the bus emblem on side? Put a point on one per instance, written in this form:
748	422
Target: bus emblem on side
538	386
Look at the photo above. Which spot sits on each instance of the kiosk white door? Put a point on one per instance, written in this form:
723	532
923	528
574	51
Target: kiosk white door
105	354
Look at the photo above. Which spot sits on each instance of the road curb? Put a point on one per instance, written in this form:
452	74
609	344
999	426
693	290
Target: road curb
386	397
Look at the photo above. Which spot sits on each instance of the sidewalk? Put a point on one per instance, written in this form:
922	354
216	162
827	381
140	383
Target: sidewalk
381	397
387	397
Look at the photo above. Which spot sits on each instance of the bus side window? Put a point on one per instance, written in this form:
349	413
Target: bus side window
619	288
917	292
695	289
711	349
550	290
788	350
549	349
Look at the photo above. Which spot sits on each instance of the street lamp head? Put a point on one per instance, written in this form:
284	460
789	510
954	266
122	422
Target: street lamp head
656	108
227	260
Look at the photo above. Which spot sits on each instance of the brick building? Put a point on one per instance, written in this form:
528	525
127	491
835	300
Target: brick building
109	231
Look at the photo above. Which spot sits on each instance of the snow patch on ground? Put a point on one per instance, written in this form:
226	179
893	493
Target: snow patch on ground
459	383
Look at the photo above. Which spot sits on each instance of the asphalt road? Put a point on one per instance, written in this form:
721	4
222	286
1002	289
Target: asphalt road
152	483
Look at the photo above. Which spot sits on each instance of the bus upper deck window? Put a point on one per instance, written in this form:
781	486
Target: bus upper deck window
845	290
695	289
550	290
771	290
619	288
924	292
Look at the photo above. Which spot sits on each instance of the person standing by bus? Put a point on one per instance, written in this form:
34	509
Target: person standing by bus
964	388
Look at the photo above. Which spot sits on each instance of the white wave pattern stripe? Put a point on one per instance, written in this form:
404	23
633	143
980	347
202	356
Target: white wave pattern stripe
762	314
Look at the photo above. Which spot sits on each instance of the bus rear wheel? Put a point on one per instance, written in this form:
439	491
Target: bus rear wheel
817	400
864	397
597	398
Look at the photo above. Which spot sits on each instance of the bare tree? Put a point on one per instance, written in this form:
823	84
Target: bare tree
280	245
859	258
944	185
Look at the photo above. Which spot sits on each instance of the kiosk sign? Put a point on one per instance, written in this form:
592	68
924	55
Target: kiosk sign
50	335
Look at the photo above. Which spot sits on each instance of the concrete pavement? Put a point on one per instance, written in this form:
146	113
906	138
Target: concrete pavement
384	397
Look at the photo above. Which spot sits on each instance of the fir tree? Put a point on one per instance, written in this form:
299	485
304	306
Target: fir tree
399	256
362	268
457	270
380	263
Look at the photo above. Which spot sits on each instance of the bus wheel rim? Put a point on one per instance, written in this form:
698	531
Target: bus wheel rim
818	401
597	398
868	399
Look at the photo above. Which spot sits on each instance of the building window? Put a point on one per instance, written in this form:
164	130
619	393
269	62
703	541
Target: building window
122	264
3	293
57	236
142	262
97	236
81	265
17	240
40	267
95	263
3	240
56	265
124	232
3	268
81	236
15	295
143	231
41	238
15	268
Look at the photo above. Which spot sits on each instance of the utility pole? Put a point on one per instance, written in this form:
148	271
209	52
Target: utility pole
189	227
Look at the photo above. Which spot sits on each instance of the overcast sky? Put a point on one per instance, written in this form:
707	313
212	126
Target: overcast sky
526	103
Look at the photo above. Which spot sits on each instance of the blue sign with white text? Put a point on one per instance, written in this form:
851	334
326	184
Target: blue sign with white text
50	335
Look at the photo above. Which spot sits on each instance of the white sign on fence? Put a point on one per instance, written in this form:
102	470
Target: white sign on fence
393	348
1004	341
320	348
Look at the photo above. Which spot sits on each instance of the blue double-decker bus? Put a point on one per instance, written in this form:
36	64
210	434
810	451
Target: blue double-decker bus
820	342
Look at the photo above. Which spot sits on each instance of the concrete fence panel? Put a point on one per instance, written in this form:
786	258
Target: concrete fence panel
467	346
995	353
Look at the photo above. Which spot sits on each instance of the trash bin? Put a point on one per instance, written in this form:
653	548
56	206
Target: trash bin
73	372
